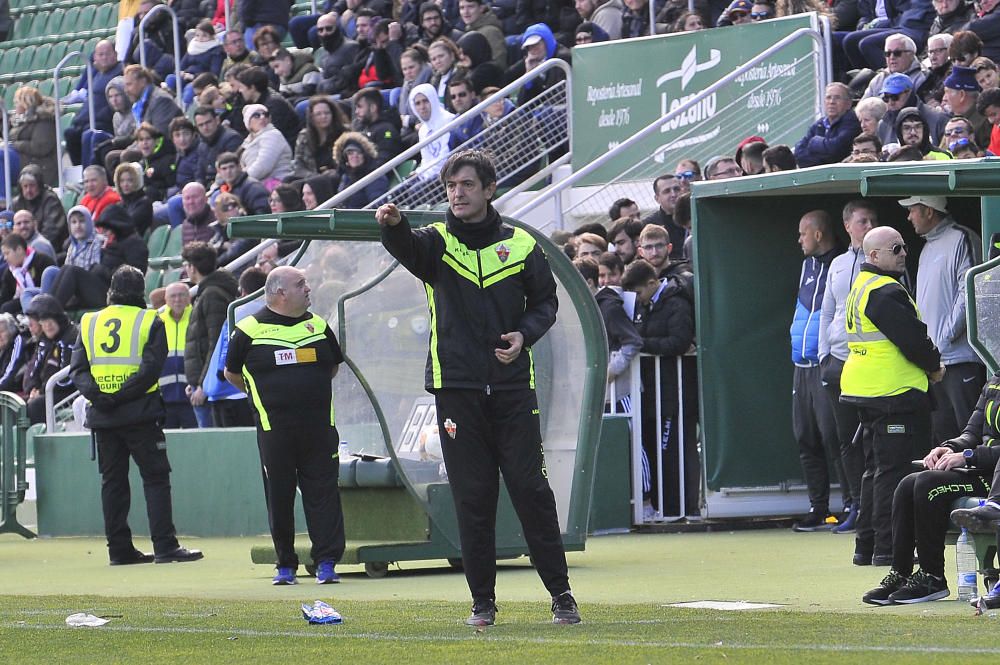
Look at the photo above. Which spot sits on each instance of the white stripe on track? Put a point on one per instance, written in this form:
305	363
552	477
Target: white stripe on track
341	633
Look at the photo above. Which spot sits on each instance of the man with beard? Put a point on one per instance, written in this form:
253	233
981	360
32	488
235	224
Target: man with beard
340	52
433	24
897	93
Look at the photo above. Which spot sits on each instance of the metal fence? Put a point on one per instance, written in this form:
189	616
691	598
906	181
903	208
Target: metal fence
13	462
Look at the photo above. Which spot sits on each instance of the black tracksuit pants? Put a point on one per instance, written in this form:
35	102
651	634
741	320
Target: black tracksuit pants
485	435
852	456
955	398
146	444
304	456
891	441
815	429
920	510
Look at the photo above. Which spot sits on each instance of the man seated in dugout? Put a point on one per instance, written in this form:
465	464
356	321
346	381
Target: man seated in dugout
963	466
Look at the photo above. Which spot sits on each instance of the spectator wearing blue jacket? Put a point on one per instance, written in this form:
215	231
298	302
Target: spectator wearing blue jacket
104	67
829	139
813	419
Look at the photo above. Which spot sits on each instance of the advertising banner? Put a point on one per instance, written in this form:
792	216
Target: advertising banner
621	87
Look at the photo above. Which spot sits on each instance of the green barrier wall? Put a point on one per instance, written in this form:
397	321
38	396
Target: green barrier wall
748	263
621	87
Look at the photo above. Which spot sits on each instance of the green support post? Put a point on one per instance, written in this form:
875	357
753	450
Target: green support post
13	460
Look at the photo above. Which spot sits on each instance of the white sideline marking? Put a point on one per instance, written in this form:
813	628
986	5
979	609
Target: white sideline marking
469	635
727	605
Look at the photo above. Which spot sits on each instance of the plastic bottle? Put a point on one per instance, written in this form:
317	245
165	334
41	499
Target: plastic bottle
344	451
965	551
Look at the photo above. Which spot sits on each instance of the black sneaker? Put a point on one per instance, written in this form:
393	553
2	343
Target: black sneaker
980	518
921	588
484	613
816	520
130	559
179	555
881	594
564	609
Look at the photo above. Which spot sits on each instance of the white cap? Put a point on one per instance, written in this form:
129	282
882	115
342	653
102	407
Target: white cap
530	40
939	203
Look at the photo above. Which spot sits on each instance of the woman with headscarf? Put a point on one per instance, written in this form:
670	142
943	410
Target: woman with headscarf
33	131
325	122
433	116
264	155
129	183
415	70
477	58
357	157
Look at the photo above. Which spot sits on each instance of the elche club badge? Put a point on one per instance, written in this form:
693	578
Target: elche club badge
310	327
502	254
450	427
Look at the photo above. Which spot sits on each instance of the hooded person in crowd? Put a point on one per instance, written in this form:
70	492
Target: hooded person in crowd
43	204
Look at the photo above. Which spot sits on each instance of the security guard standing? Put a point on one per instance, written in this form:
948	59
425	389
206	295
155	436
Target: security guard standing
491	296
886	376
285	357
116	364
176	315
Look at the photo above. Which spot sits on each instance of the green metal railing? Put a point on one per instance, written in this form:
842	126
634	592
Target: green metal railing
13	461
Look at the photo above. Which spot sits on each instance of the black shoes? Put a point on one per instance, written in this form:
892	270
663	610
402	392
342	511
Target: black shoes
134	558
816	520
889	585
868	559
920	588
179	555
882	560
564	609
980	518
484	613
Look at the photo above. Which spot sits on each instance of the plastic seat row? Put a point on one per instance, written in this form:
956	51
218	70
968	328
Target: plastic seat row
21	9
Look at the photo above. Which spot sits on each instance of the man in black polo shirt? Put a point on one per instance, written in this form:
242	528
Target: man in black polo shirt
284	357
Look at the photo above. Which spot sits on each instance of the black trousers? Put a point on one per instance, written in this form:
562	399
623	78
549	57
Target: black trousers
494	434
852	457
304	456
892	440
815	429
146	444
232	413
180	415
920	510
955	398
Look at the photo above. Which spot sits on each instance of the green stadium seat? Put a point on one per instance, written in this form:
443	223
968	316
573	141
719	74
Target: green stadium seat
69	21
25	57
106	16
8	60
175	242
157	242
70	198
154	279
172	275
43	56
23	26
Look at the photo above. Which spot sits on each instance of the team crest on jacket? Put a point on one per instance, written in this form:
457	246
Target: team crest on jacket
310	327
450	427
502	253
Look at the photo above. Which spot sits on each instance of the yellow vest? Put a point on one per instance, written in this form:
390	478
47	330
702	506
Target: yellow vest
292	338
114	339
875	366
173	369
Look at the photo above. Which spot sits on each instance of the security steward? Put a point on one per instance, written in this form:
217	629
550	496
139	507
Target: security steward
116	364
886	376
285	357
491	296
176	315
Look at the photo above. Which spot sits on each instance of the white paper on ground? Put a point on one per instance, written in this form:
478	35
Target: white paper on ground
723	605
82	619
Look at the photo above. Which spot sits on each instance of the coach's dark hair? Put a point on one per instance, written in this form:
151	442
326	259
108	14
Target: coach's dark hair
480	162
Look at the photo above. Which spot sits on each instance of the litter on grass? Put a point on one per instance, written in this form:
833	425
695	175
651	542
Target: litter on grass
82	619
727	605
319	613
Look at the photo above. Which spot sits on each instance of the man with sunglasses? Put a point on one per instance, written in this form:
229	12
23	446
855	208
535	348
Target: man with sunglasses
950	250
339	53
889	367
899	57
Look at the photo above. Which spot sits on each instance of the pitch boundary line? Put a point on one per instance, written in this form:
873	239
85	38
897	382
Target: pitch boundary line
385	637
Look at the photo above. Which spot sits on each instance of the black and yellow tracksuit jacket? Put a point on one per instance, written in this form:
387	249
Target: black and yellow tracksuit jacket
482	281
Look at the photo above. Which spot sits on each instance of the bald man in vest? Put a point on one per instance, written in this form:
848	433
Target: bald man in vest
285	357
116	365
888	371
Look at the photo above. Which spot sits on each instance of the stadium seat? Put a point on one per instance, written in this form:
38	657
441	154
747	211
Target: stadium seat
157	243
70	22
25	57
170	276
175	242
40	61
154	279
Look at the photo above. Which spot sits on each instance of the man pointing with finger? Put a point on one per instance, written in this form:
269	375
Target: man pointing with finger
491	296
